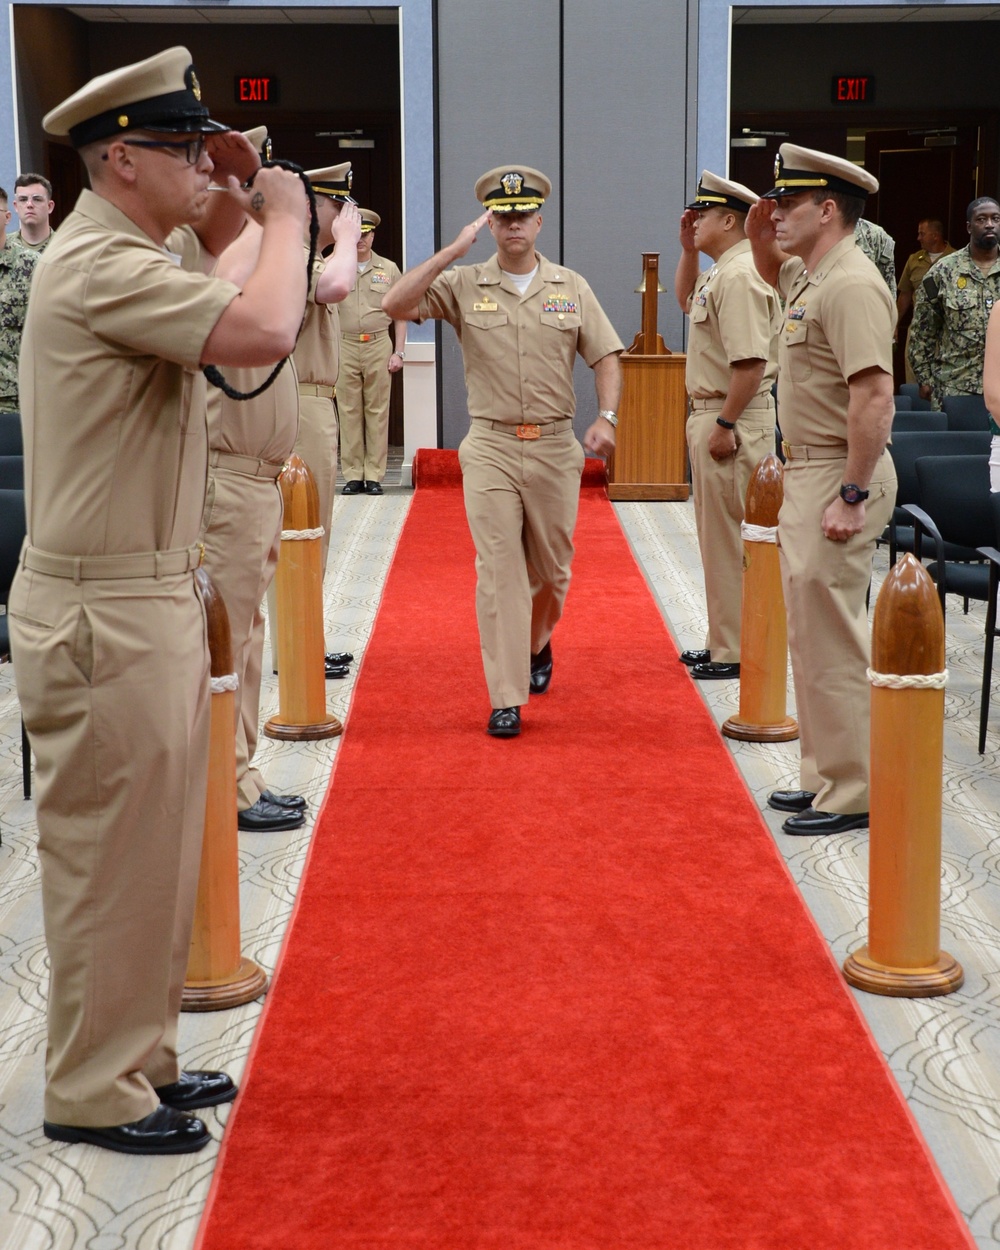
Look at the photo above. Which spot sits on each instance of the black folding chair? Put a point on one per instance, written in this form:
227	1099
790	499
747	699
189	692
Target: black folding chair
11	438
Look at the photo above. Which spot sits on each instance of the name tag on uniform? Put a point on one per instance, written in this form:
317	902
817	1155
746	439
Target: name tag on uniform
558	304
485	306
797	312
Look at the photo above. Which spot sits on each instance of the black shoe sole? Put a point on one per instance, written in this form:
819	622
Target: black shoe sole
199	1104
95	1137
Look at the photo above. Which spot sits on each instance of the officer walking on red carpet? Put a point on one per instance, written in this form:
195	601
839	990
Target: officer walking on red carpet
108	631
835	404
732	362
521	321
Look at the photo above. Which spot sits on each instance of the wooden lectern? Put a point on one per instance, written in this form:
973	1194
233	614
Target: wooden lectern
650	456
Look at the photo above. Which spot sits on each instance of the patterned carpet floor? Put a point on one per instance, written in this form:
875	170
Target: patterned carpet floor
944	1052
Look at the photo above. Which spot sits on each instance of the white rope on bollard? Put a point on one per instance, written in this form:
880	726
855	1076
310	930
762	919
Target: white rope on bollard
222	685
291	536
758	533
911	681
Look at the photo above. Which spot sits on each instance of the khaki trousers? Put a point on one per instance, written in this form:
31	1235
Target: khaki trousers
363	387
113	679
521	501
825	585
317	445
242	536
720	490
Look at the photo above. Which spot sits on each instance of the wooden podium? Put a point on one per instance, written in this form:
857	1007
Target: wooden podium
650	456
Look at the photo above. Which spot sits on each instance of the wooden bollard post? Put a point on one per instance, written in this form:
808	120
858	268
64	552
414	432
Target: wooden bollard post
903	957
763	626
298	581
218	975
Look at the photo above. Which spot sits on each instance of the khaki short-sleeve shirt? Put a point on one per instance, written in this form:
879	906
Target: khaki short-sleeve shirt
734	316
361	312
916	267
317	353
263	427
838	320
112	394
519	349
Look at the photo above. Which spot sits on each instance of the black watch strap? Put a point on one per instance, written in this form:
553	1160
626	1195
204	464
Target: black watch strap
726	425
850	493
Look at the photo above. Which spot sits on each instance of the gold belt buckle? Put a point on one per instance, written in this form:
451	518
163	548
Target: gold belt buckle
786	447
529	431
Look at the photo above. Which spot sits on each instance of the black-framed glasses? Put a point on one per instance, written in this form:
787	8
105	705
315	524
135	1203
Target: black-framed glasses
192	148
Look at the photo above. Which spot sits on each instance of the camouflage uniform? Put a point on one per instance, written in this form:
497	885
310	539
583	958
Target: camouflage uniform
948	336
16	267
880	249
18	239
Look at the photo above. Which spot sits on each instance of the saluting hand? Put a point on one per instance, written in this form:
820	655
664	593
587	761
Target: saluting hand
758	227
346	227
274	191
233	155
467	235
689	219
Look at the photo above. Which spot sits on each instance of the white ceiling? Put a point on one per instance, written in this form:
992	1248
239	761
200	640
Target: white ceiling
763	15
218	14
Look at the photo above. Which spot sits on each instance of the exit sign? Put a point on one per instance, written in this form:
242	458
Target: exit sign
256	89
853	89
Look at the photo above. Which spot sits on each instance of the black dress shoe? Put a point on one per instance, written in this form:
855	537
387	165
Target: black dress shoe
353	487
690	658
339	658
790	800
197	1089
336	670
505	722
810	823
294	802
266	817
541	670
714	670
374	488
164	1131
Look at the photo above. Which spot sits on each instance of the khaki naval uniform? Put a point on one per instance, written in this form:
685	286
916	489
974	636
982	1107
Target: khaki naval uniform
734	316
521	495
109	645
250	441
364	384
838	321
317	362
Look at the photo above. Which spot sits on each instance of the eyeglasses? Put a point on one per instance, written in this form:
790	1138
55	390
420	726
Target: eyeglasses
30	199
192	148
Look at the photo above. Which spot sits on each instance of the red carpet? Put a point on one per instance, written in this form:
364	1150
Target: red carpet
558	992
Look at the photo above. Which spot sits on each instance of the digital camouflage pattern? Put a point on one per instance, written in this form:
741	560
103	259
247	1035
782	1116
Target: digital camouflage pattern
948	336
17	264
878	245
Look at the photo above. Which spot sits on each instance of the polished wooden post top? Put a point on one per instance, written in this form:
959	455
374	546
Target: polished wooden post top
220	643
908	627
765	492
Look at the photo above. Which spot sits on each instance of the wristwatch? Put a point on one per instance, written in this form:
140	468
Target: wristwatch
726	425
610	416
399	354
853	494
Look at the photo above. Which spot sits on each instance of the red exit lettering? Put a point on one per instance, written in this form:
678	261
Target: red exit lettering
254	90
852	89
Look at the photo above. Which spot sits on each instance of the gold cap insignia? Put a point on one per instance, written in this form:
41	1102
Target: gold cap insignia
195	86
777	165
123	120
350	179
512	183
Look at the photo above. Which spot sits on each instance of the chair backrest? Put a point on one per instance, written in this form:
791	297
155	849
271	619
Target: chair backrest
903	402
966	412
919	404
11	437
11	473
907	421
955	492
908	446
909	388
13	528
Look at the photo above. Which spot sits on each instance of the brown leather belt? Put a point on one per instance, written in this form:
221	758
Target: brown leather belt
527	431
791	452
318	388
246	466
108	568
